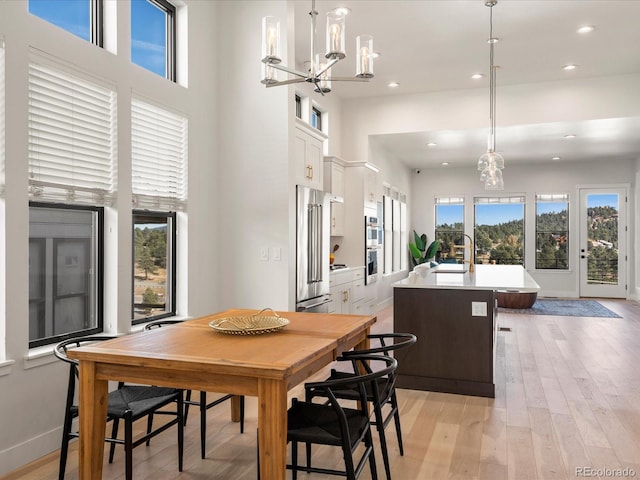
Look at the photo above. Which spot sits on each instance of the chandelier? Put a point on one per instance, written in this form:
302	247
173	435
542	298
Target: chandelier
491	163
319	72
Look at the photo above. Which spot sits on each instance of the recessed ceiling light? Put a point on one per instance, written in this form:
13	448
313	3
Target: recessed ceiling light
444	164
393	84
376	54
342	10
431	144
570	135
555	158
586	29
477	76
570	66
493	40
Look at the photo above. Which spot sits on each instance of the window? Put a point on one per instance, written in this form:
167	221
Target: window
154	262
316	118
450	226
65	272
71	149
394	226
158	165
72	137
298	106
83	18
499	230
552	231
153	36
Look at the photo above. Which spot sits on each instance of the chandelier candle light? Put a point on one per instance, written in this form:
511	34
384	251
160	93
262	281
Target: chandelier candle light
319	71
491	163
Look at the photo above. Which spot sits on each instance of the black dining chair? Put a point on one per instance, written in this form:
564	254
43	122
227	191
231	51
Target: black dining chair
201	403
127	402
331	423
389	344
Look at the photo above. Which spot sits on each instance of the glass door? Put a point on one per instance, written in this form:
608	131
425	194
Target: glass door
603	242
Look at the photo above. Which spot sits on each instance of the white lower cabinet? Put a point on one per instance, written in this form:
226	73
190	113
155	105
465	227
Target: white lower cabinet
349	294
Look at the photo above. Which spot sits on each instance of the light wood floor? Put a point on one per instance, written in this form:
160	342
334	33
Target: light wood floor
567	397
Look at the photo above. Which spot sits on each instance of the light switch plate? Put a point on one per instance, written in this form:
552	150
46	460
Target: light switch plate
276	254
478	309
264	254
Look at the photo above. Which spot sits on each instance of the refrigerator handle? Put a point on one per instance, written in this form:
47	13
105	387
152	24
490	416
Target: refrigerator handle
315	244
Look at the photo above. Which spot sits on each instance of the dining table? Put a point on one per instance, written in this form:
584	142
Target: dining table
193	355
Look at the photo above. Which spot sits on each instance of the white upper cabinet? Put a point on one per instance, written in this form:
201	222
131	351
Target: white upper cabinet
308	161
334	184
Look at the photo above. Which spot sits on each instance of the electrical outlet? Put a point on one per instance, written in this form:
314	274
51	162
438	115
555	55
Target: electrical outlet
478	309
264	254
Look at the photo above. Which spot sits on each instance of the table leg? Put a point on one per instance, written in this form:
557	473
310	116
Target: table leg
235	408
93	395
272	428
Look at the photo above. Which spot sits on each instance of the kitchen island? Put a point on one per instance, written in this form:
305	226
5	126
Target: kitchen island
453	313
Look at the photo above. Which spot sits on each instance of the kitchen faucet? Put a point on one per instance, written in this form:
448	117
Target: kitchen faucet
471	252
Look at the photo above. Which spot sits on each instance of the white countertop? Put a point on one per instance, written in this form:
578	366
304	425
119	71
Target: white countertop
485	277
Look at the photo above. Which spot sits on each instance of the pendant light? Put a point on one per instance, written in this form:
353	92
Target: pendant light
491	163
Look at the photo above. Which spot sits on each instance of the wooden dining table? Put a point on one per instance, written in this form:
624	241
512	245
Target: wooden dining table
192	355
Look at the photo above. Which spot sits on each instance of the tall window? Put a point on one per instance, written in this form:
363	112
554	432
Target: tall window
154	263
83	18
552	231
71	148
449	226
65	272
159	162
394	226
153	36
2	95
499	230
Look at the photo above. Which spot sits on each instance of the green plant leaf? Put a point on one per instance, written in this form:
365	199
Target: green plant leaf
433	249
415	252
420	241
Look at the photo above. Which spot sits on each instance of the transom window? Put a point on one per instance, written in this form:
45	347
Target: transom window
316	118
153	36
82	18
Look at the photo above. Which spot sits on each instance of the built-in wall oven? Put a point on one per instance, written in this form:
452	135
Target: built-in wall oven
372	245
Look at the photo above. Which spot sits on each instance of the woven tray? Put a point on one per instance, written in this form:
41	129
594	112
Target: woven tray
250	324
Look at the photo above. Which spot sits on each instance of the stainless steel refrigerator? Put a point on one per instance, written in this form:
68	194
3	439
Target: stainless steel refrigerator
312	250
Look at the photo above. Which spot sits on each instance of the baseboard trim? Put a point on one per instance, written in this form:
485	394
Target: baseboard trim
33	449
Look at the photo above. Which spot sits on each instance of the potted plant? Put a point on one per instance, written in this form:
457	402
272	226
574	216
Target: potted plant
420	252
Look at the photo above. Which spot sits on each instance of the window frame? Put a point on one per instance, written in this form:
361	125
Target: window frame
99	275
553	198
172	263
170	34
515	199
95	23
447	202
316	118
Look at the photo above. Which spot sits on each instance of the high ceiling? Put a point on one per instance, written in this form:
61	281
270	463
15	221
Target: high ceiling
436	45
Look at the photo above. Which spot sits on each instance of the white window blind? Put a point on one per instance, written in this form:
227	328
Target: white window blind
502	200
72	137
449	200
2	95
552	198
159	157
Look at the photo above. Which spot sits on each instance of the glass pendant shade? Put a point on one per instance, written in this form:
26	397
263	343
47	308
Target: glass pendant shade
335	35
271	40
324	83
364	56
490	159
494	180
269	74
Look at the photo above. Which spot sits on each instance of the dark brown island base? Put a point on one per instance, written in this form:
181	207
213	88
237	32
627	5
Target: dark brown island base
453	314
